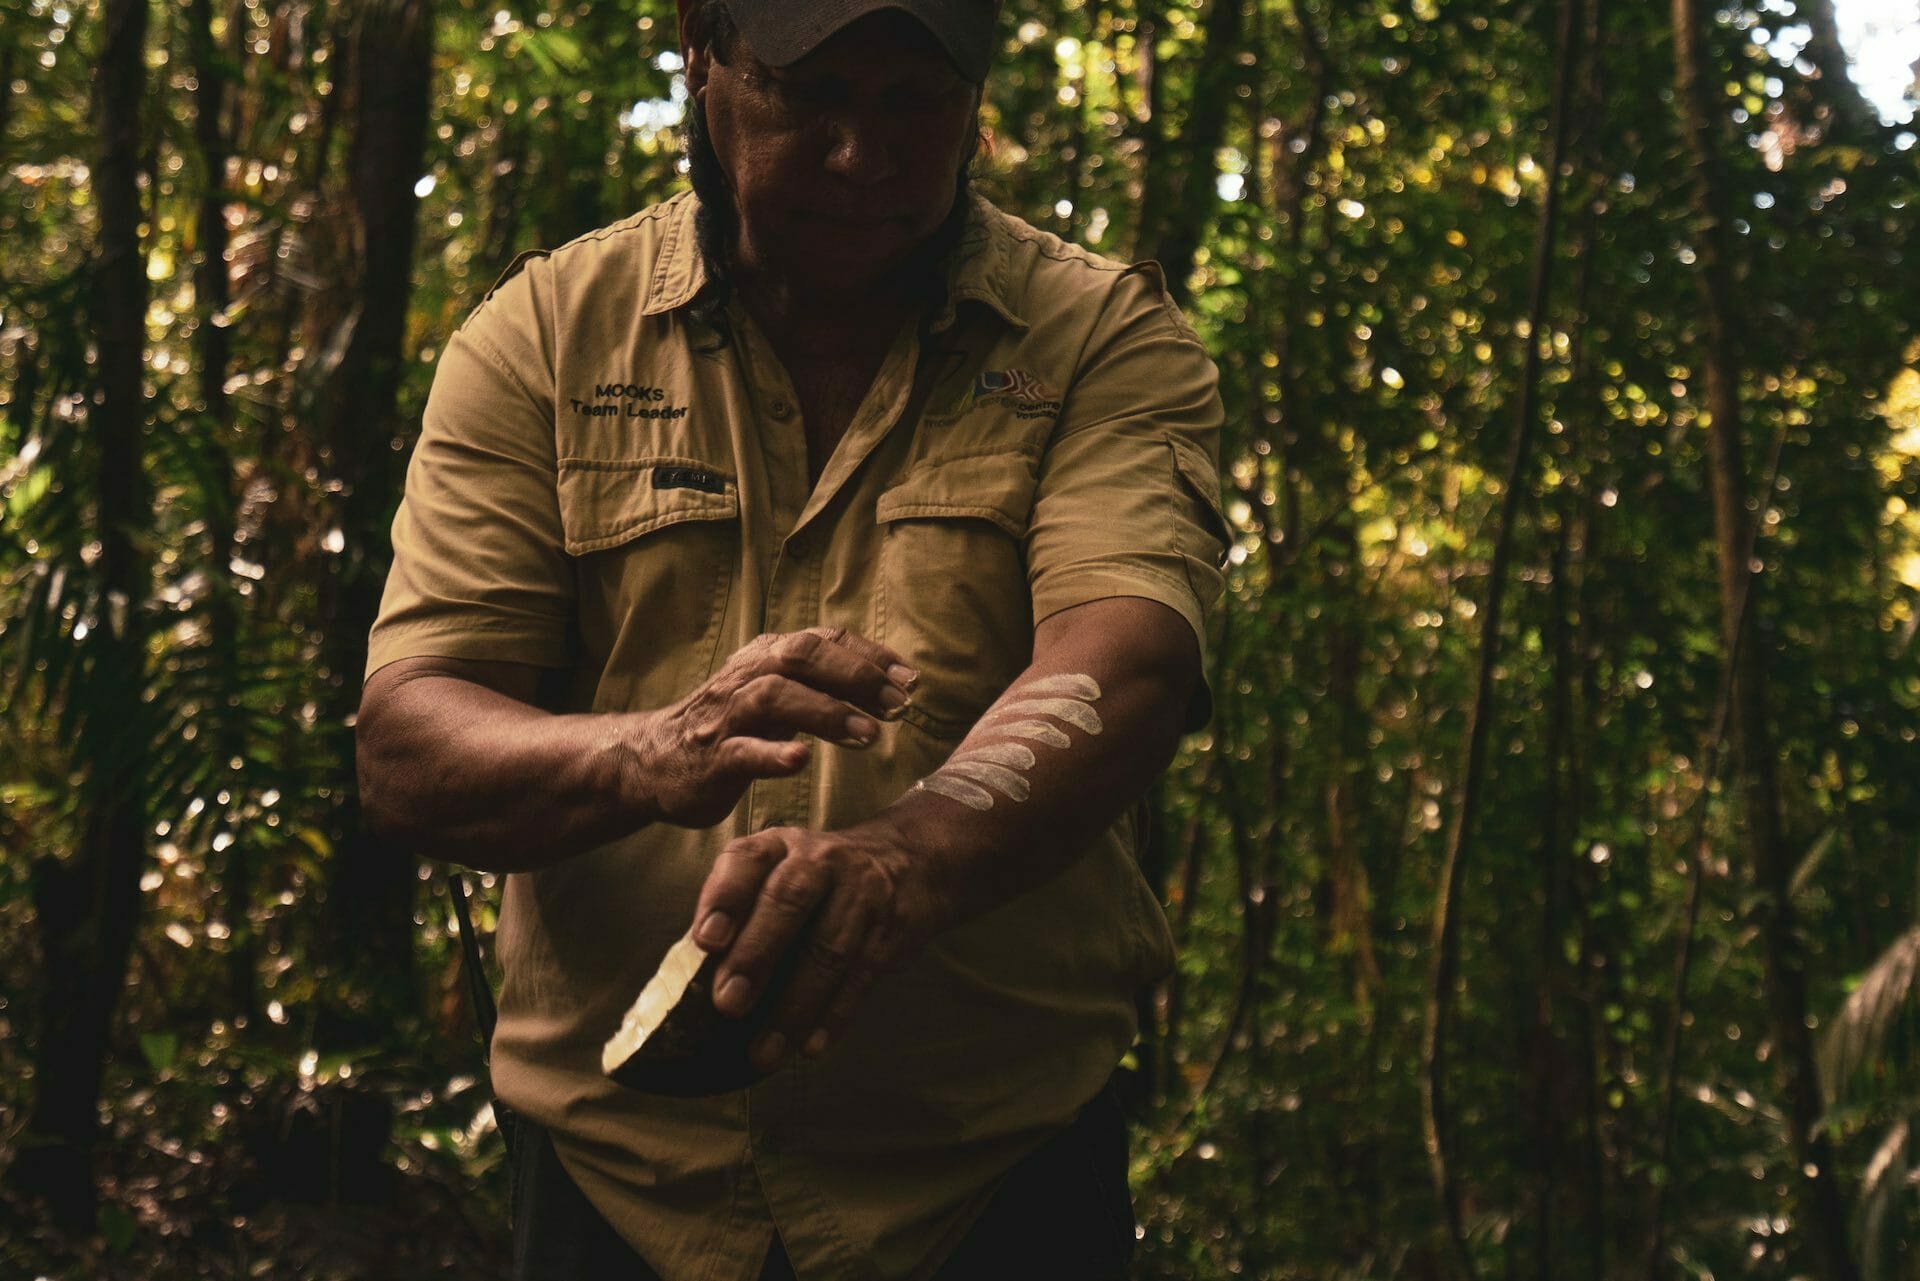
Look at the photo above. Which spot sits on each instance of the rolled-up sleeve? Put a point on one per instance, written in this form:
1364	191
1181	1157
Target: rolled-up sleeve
478	566
1128	499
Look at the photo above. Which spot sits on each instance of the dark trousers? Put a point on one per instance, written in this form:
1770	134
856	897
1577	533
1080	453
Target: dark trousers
1063	1212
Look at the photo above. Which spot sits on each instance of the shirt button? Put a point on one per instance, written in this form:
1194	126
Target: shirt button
799	547
781	410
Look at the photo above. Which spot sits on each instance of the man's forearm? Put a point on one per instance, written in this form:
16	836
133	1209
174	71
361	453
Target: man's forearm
456	759
469	775
1076	739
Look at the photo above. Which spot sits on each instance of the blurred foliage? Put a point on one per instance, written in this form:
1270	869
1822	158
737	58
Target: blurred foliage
1362	185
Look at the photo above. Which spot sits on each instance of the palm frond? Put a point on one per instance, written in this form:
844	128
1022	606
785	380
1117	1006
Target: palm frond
1858	1034
1880	1189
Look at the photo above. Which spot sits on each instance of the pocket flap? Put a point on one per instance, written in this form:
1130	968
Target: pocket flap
1195	467
604	504
996	487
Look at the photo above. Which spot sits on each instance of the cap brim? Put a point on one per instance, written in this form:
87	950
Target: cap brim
782	32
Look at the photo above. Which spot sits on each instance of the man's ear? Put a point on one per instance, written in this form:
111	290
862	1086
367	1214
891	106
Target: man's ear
693	48
699	64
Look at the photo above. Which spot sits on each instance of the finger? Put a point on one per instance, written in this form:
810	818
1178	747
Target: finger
832	954
744	758
898	670
780	707
771	928
727	897
832	1022
849	667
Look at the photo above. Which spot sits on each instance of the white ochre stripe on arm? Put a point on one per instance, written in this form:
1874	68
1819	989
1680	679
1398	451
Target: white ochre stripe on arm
997	764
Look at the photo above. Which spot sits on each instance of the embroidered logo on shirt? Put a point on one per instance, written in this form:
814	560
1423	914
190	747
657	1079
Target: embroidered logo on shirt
627	400
1017	383
1018	388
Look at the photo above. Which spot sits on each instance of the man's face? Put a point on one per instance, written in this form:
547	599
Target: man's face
844	162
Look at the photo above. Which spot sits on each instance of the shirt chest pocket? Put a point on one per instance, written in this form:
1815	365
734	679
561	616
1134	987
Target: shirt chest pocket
655	544
953	596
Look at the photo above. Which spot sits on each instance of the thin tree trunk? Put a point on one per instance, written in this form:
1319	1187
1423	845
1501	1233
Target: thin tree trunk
213	355
370	889
1258	909
1822	1210
210	282
1436	1115
1300	444
88	904
573	158
1546	1078
1698	848
1143	124
1564	994
1193	847
1156	868
1073	165
1349	917
1175	209
9	59
507	190
1578	526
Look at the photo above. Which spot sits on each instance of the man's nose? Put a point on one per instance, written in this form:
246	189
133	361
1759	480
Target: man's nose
860	152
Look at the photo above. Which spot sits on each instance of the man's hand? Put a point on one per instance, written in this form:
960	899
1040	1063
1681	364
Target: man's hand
699	755
459	760
848	905
844	907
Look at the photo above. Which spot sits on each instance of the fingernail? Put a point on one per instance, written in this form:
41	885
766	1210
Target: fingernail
892	699
733	994
861	729
715	929
902	675
817	1042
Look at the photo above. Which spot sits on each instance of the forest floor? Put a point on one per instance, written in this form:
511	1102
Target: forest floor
162	1222
172	1213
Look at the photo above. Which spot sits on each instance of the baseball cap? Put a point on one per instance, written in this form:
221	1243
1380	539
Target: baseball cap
784	31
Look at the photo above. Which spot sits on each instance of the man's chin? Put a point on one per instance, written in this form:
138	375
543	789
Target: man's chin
850	262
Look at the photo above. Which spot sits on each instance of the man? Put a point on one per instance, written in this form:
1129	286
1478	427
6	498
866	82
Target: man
819	560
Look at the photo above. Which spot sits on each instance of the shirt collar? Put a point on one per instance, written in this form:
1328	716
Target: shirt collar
979	270
679	272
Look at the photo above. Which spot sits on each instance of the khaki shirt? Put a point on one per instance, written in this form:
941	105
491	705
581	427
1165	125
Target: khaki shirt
606	486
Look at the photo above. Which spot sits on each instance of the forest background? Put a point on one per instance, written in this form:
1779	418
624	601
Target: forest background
1547	885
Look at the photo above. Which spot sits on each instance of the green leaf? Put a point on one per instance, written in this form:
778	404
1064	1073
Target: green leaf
118	1228
1803	874
160	1049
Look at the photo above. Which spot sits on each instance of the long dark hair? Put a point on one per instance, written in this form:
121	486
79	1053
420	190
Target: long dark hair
717	226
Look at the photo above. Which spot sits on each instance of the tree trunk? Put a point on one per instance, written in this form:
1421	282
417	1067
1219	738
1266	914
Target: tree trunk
1349	916
1302	449
1143	124
389	46
9	59
507	187
1436	1114
1822	1210
213	355
87	904
1569	1178
1174	209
